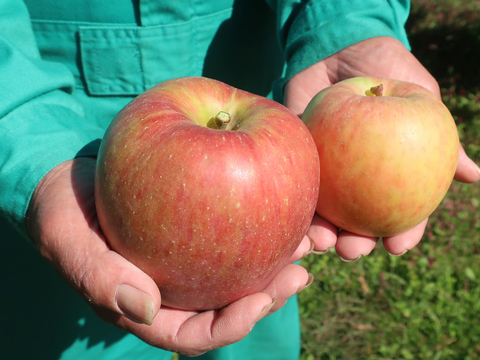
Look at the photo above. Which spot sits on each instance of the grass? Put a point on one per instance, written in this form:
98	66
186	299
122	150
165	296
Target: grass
426	303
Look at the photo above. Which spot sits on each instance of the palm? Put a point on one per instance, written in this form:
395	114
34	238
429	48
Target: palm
380	57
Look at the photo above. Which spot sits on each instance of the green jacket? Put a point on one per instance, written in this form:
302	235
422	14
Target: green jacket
67	67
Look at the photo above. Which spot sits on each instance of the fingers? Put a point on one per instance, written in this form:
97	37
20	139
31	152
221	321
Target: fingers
305	248
351	247
323	234
227	326
467	170
291	280
400	244
190	333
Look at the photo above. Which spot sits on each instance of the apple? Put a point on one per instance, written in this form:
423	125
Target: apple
207	188
388	153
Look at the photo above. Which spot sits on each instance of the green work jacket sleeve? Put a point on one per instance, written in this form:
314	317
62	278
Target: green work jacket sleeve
310	31
41	125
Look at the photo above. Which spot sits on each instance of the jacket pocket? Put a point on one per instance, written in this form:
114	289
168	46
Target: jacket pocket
126	60
129	60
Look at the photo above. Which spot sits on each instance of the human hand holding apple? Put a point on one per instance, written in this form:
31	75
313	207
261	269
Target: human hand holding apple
388	153
382	57
206	188
63	223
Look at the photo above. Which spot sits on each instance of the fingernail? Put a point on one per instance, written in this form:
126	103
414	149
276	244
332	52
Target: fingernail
319	252
399	254
135	304
266	310
312	246
307	284
313	251
350	260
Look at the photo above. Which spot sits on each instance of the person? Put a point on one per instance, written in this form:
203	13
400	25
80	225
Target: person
66	68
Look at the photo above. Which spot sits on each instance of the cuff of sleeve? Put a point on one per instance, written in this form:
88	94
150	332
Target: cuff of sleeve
26	160
311	38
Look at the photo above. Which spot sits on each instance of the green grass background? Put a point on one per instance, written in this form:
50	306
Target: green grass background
426	303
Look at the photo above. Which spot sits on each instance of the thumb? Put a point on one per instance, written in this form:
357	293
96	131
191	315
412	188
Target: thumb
113	287
467	170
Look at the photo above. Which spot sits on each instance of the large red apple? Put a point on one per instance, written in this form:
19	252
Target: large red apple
207	188
388	153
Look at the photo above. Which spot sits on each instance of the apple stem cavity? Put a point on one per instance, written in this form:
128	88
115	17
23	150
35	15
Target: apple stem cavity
375	91
220	121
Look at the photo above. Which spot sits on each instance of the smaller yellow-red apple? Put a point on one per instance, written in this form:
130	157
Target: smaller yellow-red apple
388	153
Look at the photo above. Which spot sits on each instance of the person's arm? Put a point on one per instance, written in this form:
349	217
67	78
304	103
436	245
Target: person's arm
311	31
46	190
329	41
41	125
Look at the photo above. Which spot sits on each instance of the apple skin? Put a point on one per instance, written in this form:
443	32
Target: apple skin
386	161
210	214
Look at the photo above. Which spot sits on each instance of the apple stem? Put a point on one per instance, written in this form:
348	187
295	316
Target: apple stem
375	91
220	121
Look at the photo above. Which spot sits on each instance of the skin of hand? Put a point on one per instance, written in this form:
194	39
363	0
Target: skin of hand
63	223
379	57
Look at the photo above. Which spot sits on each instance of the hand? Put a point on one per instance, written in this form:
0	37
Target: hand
63	223
380	57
